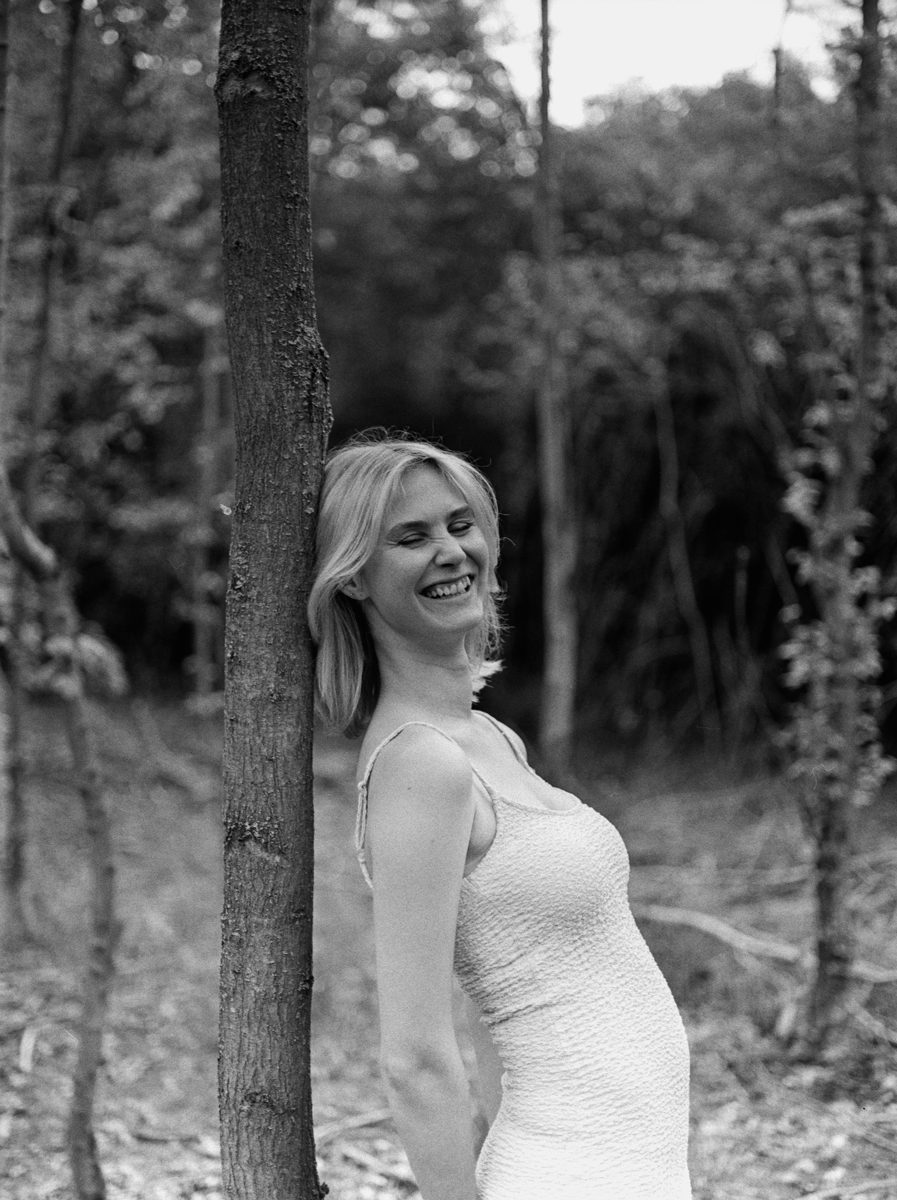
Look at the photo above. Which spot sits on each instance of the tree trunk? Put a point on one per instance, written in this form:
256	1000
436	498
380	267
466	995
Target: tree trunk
104	933
36	412
680	565
559	530
778	74
61	624
840	693
15	927
12	801
282	419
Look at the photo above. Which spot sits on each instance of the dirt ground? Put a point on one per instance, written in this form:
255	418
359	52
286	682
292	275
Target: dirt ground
764	1125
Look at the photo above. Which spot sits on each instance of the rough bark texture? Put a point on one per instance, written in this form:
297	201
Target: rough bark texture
282	418
559	533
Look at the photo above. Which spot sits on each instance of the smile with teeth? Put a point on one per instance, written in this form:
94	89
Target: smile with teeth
443	591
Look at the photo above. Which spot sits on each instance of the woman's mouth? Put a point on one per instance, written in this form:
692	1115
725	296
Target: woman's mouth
444	591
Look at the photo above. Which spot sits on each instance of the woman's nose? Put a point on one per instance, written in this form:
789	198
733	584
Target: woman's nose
450	550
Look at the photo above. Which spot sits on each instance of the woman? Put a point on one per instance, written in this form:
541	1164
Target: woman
481	868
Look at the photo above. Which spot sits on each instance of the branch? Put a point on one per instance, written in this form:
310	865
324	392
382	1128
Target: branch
24	545
750	943
857	1189
326	1133
397	1172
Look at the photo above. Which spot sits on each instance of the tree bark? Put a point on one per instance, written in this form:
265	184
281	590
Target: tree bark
559	529
282	418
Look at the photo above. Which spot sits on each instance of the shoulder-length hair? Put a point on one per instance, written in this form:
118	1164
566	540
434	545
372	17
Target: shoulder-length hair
361	481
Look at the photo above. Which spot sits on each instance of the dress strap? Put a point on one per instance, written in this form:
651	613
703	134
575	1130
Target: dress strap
361	818
511	738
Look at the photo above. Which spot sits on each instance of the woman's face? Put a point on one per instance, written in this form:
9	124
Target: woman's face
429	573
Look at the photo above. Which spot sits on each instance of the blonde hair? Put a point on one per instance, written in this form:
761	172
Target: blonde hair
361	481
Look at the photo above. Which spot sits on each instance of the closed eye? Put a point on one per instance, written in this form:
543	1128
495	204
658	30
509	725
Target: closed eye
412	533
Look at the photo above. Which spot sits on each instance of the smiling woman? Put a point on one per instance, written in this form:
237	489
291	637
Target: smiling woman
367	480
427	576
481	869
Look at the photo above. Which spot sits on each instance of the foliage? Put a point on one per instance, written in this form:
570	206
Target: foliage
693	225
421	154
852	601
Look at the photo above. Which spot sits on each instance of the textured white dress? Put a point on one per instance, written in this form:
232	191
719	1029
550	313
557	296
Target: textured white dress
595	1086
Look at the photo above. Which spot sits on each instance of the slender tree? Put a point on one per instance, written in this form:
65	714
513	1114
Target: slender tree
64	676
282	418
559	531
834	657
15	926
778	72
681	568
35	415
37	405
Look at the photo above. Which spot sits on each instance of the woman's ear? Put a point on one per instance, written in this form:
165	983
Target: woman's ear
354	589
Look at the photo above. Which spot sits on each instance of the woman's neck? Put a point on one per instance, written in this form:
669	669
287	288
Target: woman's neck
426	684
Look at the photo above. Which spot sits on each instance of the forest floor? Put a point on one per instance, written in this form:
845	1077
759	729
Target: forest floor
765	1126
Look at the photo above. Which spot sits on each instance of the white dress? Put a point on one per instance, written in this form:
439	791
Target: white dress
596	1067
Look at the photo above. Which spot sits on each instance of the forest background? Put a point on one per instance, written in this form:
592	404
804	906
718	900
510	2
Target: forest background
707	265
693	224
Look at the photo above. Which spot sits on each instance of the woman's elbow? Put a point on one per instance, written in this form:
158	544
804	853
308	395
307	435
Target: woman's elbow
416	1067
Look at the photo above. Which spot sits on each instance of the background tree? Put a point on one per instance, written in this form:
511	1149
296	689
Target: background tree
833	654
12	802
67	657
29	425
560	533
282	420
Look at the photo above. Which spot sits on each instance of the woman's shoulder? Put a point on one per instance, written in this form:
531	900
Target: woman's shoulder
413	752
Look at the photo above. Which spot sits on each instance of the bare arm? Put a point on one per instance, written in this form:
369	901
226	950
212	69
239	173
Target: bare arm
489	1068
420	818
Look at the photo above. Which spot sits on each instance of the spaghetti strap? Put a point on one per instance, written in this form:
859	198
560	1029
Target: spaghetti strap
511	738
361	818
